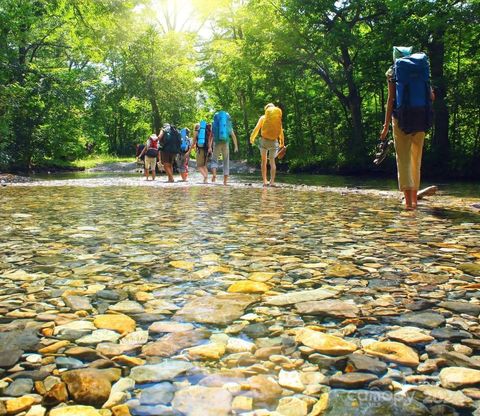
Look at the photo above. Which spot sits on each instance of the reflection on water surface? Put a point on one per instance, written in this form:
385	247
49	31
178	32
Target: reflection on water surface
242	283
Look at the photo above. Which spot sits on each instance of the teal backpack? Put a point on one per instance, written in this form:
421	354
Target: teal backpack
202	134
222	126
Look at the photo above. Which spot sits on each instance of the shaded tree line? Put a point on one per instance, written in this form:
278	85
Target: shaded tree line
104	74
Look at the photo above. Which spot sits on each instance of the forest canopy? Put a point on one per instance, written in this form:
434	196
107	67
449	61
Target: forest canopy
83	76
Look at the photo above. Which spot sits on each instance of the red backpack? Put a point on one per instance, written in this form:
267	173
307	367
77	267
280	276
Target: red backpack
152	150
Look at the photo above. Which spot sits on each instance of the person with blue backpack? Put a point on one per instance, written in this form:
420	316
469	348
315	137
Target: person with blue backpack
184	156
203	144
222	132
409	108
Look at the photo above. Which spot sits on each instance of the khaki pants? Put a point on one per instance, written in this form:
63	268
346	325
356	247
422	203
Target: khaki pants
221	148
408	148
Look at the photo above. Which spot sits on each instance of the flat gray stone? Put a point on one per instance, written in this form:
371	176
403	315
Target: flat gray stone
26	340
8	358
204	401
365	364
220	309
429	320
295	297
161	393
333	308
78	303
351	380
19	387
165	371
461	307
450	334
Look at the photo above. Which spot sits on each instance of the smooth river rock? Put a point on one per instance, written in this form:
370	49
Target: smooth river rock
75	411
291	298
461	307
410	335
459	377
203	401
248	286
171	343
90	386
115	322
334	308
324	343
351	380
220	309
165	371
428	320
395	352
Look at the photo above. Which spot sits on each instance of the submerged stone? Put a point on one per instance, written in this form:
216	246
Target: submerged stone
165	371
395	352
203	401
428	320
333	308
324	343
220	309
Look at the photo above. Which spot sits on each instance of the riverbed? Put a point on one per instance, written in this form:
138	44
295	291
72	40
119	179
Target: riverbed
201	300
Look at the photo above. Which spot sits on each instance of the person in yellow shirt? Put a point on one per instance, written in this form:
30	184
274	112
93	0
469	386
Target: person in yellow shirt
271	131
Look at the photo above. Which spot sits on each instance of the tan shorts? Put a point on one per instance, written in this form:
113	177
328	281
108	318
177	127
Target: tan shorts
167	158
202	157
269	147
150	163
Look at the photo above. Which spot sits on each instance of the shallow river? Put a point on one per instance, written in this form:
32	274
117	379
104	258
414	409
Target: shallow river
211	300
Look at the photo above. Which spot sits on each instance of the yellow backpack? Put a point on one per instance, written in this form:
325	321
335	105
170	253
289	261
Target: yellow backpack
272	125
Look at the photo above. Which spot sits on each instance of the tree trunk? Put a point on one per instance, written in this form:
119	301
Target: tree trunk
157	121
312	135
440	139
243	106
22	128
357	151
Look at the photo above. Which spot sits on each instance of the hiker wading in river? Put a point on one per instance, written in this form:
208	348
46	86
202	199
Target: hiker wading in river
151	151
409	107
271	131
222	132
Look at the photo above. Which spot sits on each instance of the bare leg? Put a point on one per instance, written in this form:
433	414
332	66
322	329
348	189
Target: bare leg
273	170
408	199
414	198
264	166
225	179
184	176
203	170
214	174
145	172
169	170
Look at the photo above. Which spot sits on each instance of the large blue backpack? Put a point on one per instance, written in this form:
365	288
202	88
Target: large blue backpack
221	126
202	134
413	104
185	144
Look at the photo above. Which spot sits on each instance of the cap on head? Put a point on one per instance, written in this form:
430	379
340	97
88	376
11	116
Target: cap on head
401	51
269	105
